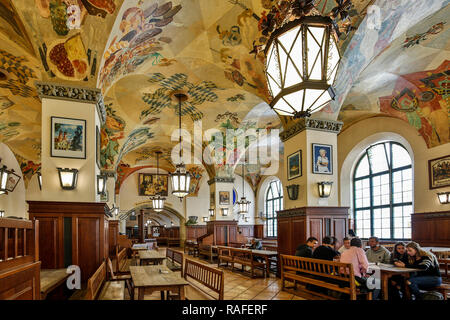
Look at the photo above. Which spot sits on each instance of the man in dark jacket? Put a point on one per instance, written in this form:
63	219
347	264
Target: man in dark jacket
306	250
326	251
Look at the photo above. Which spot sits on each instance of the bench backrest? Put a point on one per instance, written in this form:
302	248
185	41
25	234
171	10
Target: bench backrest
95	282
224	251
204	247
343	272
242	254
178	258
169	254
211	278
121	258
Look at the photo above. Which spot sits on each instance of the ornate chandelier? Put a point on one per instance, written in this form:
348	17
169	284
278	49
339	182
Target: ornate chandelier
157	200
302	59
181	179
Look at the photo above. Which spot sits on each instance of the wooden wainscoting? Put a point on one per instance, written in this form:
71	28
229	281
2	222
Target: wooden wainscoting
431	228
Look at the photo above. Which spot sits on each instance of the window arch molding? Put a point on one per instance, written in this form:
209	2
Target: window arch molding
382	185
273	202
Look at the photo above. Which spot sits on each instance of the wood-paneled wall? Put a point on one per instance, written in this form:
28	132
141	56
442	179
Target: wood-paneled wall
71	233
431	228
296	225
194	232
113	232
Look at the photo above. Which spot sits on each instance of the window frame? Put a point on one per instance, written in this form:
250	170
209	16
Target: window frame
273	219
390	171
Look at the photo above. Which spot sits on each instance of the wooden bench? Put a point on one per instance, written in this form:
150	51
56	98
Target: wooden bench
173	242
100	289
443	258
244	257
174	260
205	283
335	276
207	251
122	262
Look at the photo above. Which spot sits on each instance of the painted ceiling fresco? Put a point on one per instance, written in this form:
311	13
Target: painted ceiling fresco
413	89
138	52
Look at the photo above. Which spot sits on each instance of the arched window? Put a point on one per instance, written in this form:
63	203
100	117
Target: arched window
383	192
274	203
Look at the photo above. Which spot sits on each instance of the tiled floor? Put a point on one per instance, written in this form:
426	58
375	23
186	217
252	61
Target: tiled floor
239	286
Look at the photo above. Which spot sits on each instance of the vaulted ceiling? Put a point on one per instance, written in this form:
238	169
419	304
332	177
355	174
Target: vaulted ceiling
139	51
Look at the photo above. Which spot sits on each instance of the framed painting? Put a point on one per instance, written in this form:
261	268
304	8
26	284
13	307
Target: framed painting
294	168
98	146
224	197
439	172
68	138
322	158
152	184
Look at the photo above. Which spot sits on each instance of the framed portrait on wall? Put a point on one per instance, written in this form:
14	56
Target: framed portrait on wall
294	167
322	161
151	184
224	197
68	138
98	146
439	172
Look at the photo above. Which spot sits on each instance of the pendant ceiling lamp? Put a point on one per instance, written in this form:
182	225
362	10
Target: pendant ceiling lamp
157	200
181	179
243	203
302	59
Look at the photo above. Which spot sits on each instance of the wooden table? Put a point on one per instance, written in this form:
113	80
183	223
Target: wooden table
151	256
148	279
51	279
436	249
266	254
387	271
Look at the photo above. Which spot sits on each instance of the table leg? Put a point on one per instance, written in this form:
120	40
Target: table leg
181	293
162	295
407	291
140	293
267	266
385	285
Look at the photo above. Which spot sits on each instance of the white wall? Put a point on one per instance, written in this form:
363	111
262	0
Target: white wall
353	141
13	203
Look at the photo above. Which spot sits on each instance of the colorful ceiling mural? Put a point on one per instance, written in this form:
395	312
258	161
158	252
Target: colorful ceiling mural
138	52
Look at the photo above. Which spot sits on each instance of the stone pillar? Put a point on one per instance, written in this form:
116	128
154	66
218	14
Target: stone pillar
218	185
70	102
141	230
301	136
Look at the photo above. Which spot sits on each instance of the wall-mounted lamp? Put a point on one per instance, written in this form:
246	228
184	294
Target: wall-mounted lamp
171	223
2	213
324	188
101	183
211	212
39	177
444	197
68	178
246	219
165	226
8	180
205	219
224	211
292	191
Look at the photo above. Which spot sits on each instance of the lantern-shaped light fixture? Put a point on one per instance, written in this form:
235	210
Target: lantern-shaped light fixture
324	188
157	200
444	197
3	180
302	59
39	177
101	183
181	179
68	178
205	219
2	213
224	211
243	203
211	212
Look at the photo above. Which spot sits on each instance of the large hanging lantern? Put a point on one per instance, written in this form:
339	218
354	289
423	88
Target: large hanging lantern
157	200
243	203
302	59
181	179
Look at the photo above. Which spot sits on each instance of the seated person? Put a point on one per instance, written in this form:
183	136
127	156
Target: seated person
429	276
345	246
356	256
326	251
396	283
377	253
256	244
306	250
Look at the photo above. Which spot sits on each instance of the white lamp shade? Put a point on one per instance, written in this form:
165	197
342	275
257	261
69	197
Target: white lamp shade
444	197
243	206
68	178
224	211
3	180
158	203
324	189
181	180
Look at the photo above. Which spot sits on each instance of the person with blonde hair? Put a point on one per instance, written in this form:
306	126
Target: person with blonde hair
429	275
